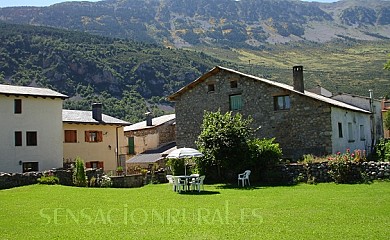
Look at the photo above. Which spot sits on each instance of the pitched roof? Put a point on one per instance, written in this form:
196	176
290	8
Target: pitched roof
30	91
157	121
151	156
306	93
77	116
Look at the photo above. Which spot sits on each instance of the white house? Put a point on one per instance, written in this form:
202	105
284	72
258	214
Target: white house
30	129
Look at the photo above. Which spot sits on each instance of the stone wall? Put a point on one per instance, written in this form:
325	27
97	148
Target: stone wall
128	181
318	172
10	180
304	128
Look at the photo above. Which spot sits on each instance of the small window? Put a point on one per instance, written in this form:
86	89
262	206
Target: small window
233	84
340	127
70	136
282	102
18	106
93	136
131	145
362	135
210	87
31	139
235	102
18	138
30	167
350	133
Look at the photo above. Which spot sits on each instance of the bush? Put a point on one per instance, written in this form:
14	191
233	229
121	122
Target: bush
382	150
345	168
79	178
49	180
177	165
105	181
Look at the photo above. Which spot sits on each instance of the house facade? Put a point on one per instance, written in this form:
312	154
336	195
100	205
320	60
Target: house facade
30	129
96	138
149	141
302	122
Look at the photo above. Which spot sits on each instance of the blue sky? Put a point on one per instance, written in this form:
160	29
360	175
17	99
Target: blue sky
40	3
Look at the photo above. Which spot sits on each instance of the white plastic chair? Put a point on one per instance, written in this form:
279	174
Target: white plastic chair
244	178
170	181
178	183
197	182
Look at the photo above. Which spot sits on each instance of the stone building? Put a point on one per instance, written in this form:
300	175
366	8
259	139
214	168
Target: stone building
302	122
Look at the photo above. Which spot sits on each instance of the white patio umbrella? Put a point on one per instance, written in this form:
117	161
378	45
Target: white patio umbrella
185	153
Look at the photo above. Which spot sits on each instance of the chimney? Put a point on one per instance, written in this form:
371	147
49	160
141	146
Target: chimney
97	111
298	78
149	119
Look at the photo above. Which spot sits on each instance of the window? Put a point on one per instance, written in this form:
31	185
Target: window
233	84
18	106
70	136
31	139
340	126
210	87
18	138
94	164
362	136
235	102
282	102
131	145
93	136
30	167
350	133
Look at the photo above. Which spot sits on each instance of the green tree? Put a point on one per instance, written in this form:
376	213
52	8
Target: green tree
79	178
223	141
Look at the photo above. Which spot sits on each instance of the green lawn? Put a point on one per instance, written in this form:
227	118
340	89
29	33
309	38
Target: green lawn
324	211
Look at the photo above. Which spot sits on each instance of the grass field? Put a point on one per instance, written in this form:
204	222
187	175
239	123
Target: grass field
324	211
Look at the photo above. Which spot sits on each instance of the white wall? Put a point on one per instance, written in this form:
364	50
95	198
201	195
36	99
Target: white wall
146	142
356	119
43	115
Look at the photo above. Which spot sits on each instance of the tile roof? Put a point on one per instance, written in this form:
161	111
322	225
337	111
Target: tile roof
77	116
217	69
30	91
157	121
151	156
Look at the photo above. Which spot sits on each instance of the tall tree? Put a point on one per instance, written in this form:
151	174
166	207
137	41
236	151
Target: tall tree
223	141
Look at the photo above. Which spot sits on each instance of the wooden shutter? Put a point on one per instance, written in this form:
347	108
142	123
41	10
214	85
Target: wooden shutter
131	145
88	165
99	136
101	165
87	136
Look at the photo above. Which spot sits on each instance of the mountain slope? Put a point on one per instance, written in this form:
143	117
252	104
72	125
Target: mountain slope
127	77
247	23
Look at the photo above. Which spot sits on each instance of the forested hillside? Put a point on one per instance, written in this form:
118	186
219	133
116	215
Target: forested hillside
129	78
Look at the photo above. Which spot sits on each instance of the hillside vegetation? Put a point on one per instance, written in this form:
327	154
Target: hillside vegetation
129	78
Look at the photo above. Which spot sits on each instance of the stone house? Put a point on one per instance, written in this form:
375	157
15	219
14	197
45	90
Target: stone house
303	122
148	140
95	137
30	129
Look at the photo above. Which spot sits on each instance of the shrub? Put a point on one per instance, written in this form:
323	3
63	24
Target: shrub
79	178
382	150
177	165
49	180
105	181
345	168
